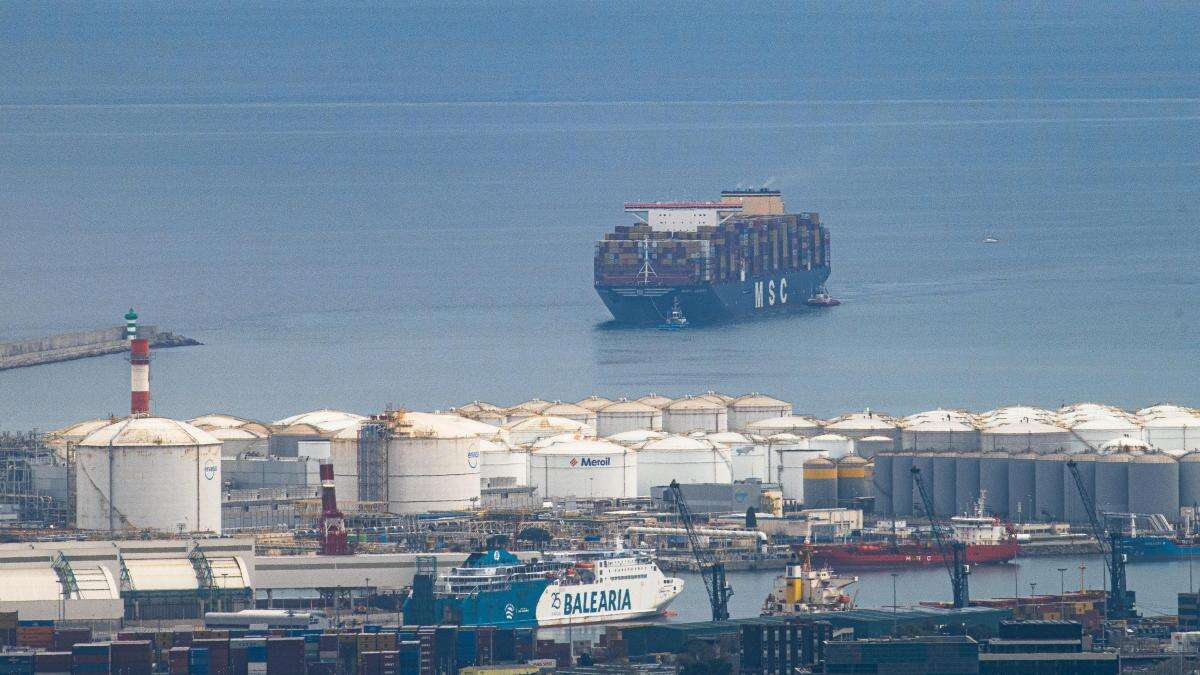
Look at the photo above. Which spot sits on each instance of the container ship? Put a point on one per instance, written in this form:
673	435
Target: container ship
710	261
986	539
495	588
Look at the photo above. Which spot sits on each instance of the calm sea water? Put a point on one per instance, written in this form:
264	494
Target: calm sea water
352	205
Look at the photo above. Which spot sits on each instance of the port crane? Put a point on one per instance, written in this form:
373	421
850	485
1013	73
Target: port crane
712	571
954	553
1118	605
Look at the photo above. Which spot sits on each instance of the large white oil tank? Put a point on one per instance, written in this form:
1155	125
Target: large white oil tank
749	461
791	470
873	445
586	469
940	431
797	425
656	400
1164	409
1025	435
694	413
570	411
863	424
148	473
343	452
482	411
529	430
237	435
593	403
833	446
432	463
315	425
624	415
635	437
683	459
1090	433
533	406
501	463
728	439
1174	433
752	408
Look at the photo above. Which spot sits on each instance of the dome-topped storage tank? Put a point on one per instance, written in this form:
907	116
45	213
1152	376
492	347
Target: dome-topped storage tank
1048	477
481	411
343	452
797	425
148	473
1073	506
749	461
881	483
1112	483
873	445
966	481
697	413
717	397
1174	433
570	411
1154	485
863	424
993	482
940	431
820	483
755	407
586	469
593	403
1022	486
530	408
316	425
1124	444
728	439
852	480
1042	438
529	430
683	459
656	400
501	464
1091	433
833	446
431	461
1189	481
790	470
1165	409
623	415
237	435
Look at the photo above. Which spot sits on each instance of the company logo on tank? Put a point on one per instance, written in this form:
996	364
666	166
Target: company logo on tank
210	470
590	461
473	459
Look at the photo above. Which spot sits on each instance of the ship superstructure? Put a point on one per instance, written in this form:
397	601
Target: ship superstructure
736	257
803	589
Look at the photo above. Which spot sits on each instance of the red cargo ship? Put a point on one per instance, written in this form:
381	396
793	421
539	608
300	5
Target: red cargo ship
987	540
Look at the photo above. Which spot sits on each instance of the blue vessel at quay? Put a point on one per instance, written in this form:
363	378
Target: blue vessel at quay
496	588
710	261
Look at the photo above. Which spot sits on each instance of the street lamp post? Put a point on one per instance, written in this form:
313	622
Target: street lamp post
895	605
1062	590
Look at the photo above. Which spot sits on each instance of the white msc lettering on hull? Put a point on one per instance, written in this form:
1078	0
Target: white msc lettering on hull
771	296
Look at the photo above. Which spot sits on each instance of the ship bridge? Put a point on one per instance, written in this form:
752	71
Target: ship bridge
684	216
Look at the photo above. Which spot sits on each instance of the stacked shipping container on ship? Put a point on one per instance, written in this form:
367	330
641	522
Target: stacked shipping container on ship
737	257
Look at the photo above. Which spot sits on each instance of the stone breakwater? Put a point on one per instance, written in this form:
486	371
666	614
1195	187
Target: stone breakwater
82	344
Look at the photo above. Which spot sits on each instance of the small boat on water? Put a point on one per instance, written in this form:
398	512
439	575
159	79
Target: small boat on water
803	589
675	320
991	239
822	298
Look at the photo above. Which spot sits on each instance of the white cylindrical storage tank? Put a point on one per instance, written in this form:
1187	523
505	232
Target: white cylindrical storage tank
237	434
1041	438
1048	476
315	425
728	439
529	430
571	411
1125	444
621	416
1154	485
791	470
873	445
593	403
530	408
1073	506
1112	483
966	481
863	424
746	410
1090	434
586	469
501	464
1165	409
940	433
148	473
697	413
343	452
70	435
657	402
833	446
1022	486
433	464
636	437
797	425
482	411
749	461
1175	434
683	459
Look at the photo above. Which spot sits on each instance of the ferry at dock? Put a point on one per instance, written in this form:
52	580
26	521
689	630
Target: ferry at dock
495	588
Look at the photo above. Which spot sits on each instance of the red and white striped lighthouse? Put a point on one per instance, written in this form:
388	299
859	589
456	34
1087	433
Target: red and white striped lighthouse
139	383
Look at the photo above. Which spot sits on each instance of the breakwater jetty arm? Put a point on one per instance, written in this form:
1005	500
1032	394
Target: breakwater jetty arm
82	344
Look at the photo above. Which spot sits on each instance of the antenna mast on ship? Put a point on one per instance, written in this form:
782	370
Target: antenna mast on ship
647	270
